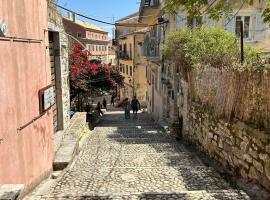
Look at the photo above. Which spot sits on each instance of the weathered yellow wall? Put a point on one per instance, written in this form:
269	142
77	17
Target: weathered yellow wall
127	91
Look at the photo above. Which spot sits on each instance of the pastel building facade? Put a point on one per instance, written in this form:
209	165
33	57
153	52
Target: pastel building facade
94	38
26	134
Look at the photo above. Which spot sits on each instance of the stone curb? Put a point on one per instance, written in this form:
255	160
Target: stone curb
69	146
10	191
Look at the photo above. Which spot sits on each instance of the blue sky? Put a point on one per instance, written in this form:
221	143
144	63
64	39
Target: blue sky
102	9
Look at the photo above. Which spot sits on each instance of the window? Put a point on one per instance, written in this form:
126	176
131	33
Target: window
246	21
192	22
181	20
126	69
123	69
96	47
79	35
130	51
99	48
146	72
125	48
130	70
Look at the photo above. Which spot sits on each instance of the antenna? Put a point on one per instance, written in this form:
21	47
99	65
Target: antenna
113	29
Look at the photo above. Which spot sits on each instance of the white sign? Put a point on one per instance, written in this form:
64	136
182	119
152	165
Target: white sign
48	98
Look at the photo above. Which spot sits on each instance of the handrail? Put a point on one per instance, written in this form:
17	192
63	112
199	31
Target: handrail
28	123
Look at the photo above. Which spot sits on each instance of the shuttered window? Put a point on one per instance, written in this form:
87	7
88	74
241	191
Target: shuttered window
259	27
181	20
230	23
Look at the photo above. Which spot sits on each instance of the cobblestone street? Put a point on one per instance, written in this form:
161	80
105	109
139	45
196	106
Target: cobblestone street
136	159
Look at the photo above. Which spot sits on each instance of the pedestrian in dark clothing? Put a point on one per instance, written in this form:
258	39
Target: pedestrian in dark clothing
104	103
135	105
112	100
98	108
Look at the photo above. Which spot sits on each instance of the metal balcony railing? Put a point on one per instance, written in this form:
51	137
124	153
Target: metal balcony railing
151	3
124	55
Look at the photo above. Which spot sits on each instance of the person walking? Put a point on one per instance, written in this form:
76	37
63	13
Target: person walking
104	103
98	108
135	105
126	106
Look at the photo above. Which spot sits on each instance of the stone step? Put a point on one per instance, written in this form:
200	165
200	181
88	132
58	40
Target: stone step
130	141
183	195
109	160
65	154
142	180
117	148
10	191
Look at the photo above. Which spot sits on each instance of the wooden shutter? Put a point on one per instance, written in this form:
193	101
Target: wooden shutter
210	23
259	27
181	20
230	23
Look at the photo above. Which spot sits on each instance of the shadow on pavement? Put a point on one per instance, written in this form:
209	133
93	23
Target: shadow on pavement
195	176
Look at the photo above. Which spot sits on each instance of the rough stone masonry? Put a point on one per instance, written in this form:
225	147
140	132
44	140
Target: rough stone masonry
227	116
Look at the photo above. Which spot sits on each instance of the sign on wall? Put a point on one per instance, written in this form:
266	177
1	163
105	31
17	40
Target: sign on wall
46	99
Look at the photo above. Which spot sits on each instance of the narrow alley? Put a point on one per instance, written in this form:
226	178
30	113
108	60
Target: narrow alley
136	159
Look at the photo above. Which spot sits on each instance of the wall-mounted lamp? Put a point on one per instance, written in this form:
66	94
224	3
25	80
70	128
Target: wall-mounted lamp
3	29
160	19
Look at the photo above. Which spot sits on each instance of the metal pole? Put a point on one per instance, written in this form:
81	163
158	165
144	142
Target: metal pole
242	40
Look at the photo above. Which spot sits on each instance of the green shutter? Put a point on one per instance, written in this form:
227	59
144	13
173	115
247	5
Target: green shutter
230	23
259	28
181	20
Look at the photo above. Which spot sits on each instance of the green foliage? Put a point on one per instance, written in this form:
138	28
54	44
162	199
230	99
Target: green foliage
266	12
202	48
215	9
251	54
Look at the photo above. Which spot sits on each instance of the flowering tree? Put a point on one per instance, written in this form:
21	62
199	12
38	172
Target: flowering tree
90	76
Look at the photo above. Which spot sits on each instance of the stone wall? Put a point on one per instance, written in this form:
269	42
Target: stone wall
55	24
229	95
219	116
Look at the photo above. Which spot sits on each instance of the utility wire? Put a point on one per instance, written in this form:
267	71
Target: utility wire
90	18
235	14
97	20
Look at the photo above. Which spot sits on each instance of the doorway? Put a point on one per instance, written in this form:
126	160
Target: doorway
55	63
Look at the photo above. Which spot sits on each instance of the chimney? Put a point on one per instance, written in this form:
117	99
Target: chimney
73	16
69	15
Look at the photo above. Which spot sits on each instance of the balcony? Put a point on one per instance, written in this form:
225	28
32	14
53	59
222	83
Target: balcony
150	46
124	55
148	7
150	3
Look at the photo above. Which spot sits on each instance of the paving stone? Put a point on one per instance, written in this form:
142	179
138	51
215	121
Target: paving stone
136	160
